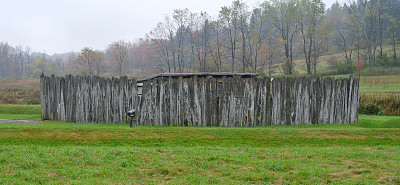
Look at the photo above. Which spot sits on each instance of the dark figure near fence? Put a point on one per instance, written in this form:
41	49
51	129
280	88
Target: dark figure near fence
204	99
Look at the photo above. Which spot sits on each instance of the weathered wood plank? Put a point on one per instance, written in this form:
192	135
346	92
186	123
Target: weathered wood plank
201	100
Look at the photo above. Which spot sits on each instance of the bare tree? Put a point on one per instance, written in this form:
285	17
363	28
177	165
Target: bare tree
118	52
28	55
258	31
284	15
160	45
365	15
181	20
230	19
323	32
215	49
394	31
19	60
171	30
382	19
243	14
199	39
310	15
6	60
344	35
272	49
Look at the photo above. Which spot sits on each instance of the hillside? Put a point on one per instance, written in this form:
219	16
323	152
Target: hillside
328	62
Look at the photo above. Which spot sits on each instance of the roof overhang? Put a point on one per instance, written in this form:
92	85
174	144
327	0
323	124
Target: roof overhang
188	75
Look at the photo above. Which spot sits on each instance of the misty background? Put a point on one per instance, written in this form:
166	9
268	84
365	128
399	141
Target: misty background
69	25
138	39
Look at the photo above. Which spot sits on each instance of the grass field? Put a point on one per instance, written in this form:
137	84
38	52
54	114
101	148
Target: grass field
377	84
367	152
20	91
20	112
380	90
323	64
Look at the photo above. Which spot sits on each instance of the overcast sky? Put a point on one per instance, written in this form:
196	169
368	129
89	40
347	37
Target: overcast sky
59	26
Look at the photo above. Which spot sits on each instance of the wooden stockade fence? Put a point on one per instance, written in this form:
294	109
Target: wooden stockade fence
87	99
202	100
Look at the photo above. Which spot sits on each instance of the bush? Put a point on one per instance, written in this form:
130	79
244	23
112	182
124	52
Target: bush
9	97
346	67
332	61
386	61
371	109
387	104
13	96
32	97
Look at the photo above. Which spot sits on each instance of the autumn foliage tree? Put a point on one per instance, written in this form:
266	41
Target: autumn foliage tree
89	62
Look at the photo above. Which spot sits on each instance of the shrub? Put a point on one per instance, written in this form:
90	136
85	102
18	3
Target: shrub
32	97
9	97
387	104
371	109
332	61
346	67
20	91
13	96
386	61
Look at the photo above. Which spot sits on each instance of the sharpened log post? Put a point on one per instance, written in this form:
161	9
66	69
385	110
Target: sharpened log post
200	100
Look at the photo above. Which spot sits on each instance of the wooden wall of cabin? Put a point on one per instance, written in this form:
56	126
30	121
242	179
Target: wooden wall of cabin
201	101
237	102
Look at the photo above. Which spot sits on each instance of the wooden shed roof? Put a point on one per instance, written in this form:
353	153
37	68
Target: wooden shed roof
187	75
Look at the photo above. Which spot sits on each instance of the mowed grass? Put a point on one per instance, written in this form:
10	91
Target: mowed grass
377	84
55	152
198	165
20	109
20	112
20	116
367	152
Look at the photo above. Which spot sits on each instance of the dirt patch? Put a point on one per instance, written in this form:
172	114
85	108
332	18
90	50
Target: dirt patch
326	134
348	173
370	149
19	121
53	174
338	174
389	179
331	165
246	168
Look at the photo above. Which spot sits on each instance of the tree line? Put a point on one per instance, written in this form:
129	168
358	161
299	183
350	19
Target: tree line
18	63
267	38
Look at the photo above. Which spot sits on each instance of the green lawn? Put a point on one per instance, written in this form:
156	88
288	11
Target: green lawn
20	109
20	116
377	84
20	112
367	152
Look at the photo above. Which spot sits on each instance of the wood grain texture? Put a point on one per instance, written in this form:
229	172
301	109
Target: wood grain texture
201	100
